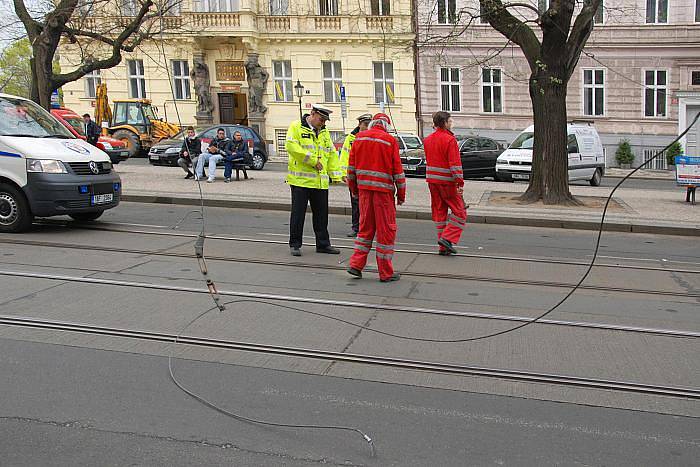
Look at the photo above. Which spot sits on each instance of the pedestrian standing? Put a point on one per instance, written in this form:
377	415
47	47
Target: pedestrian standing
313	163
362	124
374	175
214	153
92	131
189	152
445	178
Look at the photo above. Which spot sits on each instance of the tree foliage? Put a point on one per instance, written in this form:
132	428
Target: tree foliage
15	71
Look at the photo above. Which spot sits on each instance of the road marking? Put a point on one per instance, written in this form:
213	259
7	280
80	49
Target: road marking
656	260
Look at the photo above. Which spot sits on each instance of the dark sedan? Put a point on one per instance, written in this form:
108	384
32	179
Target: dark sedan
478	155
167	152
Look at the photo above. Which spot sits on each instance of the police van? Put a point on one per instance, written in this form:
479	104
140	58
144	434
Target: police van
584	148
46	171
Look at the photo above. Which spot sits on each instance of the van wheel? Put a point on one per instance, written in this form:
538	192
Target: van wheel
86	216
15	214
597	178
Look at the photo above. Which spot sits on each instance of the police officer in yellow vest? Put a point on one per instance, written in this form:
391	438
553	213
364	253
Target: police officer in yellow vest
363	122
313	164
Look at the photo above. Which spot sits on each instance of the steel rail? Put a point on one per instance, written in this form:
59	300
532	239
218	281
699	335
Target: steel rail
350	247
352	304
463	277
407	364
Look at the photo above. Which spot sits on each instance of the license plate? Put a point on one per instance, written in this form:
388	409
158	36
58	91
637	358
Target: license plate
102	199
521	176
408	167
126	154
155	157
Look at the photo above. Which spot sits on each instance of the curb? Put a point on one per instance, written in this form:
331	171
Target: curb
495	219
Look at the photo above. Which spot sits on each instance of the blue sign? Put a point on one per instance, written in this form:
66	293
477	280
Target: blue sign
342	93
688	170
55	100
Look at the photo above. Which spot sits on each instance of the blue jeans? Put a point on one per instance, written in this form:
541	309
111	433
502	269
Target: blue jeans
212	159
228	164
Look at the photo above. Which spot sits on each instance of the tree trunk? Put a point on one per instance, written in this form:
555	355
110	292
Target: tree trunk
34	90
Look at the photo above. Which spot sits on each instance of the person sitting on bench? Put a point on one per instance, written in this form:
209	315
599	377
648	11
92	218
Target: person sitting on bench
235	154
189	153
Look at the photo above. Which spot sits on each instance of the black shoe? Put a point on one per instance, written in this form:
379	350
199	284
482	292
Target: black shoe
447	245
394	277
296	251
329	250
354	272
189	175
444	253
351	234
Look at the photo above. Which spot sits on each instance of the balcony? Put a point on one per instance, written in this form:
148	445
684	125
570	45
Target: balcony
328	22
216	20
379	23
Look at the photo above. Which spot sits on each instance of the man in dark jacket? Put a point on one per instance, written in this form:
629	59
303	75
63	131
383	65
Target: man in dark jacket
215	152
235	153
189	153
92	131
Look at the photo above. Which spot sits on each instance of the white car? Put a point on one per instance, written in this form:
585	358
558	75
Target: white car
585	154
408	142
46	171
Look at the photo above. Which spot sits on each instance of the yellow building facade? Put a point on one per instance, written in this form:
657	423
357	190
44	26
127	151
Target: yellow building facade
256	53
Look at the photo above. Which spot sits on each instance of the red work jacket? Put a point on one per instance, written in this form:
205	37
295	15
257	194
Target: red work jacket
375	164
443	164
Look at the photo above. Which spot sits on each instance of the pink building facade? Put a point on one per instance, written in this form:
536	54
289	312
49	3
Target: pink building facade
638	78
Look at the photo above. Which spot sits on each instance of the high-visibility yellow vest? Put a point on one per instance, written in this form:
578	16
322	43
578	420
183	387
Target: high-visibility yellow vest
305	150
345	153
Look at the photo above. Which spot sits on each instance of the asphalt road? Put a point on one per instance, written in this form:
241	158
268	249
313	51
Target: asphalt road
638	183
71	399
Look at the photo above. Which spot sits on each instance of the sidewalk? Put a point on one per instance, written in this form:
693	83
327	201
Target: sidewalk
634	210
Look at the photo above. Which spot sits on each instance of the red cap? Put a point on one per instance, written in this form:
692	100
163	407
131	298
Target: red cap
381	116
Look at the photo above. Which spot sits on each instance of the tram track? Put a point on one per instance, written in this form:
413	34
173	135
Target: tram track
676	333
298	264
374	360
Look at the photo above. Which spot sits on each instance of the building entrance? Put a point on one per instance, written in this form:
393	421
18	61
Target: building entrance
233	108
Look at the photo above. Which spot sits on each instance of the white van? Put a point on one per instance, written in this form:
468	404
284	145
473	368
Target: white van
46	171
586	156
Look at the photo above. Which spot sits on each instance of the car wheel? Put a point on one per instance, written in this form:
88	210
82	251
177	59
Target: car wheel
86	216
133	144
258	161
597	178
15	214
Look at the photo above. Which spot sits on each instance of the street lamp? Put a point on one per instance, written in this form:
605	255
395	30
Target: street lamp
299	90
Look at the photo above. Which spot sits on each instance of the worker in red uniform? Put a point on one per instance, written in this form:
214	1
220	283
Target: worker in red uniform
446	182
374	175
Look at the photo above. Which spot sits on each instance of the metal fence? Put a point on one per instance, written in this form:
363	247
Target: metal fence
657	164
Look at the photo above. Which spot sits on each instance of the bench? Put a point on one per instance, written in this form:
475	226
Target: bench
241	166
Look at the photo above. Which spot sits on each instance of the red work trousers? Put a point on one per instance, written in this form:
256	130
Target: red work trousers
377	215
450	226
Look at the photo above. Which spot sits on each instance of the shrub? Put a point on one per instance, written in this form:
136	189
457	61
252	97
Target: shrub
675	150
624	154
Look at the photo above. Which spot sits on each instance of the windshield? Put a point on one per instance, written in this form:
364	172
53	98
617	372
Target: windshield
524	141
77	124
412	142
19	117
149	113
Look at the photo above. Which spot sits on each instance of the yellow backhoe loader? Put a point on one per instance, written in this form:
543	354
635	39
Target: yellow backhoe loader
133	121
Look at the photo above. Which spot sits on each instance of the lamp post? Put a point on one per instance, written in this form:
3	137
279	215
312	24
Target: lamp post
299	90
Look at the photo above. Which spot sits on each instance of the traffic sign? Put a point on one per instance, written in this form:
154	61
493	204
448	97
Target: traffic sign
342	94
344	109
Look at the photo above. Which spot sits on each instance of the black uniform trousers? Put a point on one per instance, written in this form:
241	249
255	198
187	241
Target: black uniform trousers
301	198
355	203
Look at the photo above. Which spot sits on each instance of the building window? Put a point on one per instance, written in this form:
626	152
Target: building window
594	92
697	11
657	11
181	79
449	89
598	18
328	7
92	80
492	90
130	7
211	6
332	81
381	8
482	14
383	82
447	11
282	75
655	89
695	78
542	5
137	80
279	7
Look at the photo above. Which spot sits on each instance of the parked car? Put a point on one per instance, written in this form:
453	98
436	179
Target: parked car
408	142
167	151
115	149
585	155
47	171
477	153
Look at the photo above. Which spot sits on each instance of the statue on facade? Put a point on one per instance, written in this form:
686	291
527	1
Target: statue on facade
200	78
257	81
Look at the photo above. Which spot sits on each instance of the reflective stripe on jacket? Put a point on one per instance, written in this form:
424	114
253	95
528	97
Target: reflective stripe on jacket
375	164
305	150
443	164
345	151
